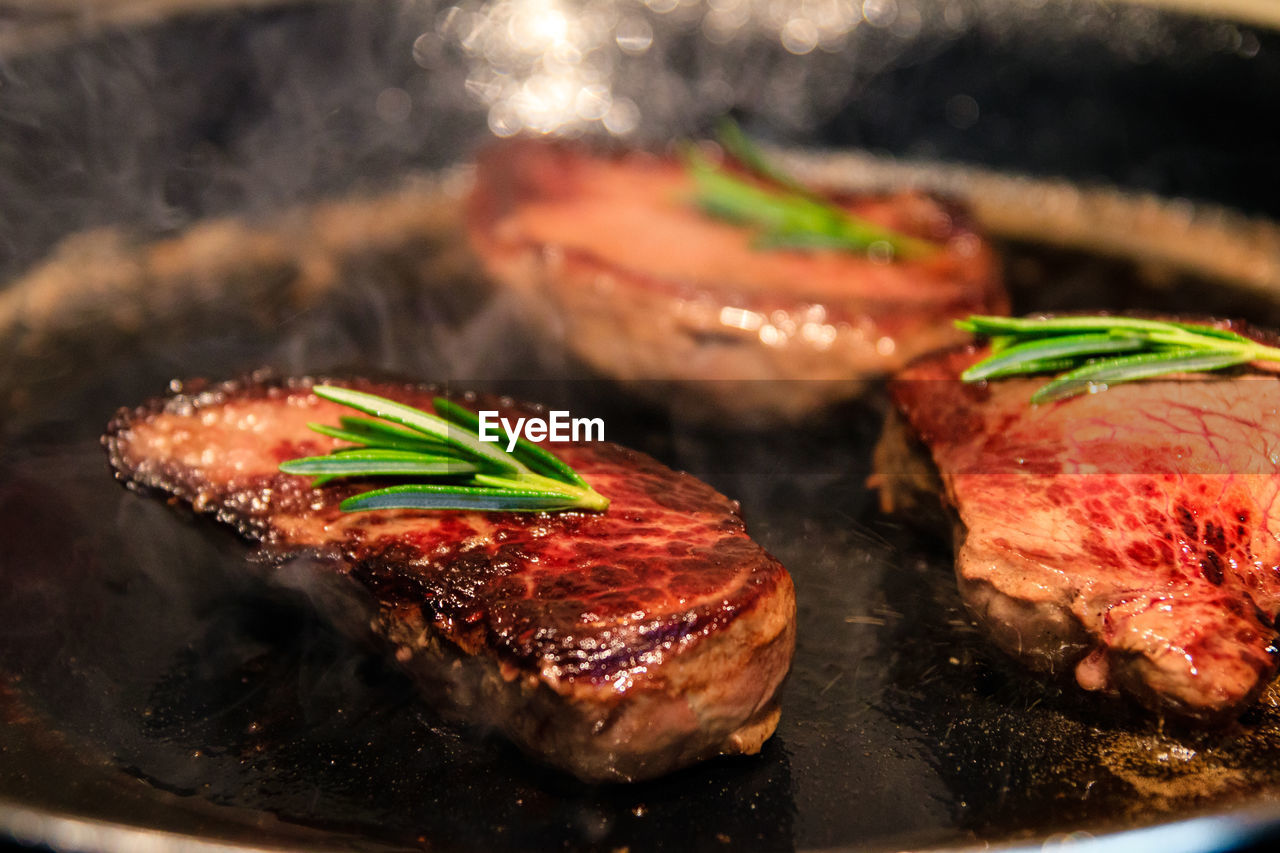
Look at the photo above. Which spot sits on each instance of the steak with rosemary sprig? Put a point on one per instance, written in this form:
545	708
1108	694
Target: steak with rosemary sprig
618	645
1130	536
611	252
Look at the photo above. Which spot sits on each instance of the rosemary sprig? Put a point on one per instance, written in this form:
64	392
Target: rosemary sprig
785	214
1091	354
464	472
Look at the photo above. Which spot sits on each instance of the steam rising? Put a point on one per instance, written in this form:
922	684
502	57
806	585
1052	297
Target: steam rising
156	125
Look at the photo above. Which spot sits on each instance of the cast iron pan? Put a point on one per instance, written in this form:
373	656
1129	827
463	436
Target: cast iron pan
159	689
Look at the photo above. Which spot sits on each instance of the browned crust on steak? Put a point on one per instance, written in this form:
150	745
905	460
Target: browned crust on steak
1128	536
617	646
608	251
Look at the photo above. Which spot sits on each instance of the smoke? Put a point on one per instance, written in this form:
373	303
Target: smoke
155	124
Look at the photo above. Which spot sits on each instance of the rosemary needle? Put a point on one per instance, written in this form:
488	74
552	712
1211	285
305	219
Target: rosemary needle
785	214
1091	354
443	449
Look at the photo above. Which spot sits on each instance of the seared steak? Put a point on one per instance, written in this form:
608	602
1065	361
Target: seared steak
616	645
610	251
1132	534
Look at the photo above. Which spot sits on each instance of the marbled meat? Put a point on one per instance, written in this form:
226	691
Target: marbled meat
1131	535
610	251
617	645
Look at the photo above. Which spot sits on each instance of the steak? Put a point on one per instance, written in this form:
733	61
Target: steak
610	252
617	645
1133	535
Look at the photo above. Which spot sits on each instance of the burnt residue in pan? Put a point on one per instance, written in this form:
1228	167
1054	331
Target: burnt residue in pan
1029	755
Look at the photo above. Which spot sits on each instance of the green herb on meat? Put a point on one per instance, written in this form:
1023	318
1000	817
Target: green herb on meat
783	212
1091	354
443	450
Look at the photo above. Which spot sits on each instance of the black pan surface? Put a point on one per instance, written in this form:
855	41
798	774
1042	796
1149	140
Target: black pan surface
155	680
